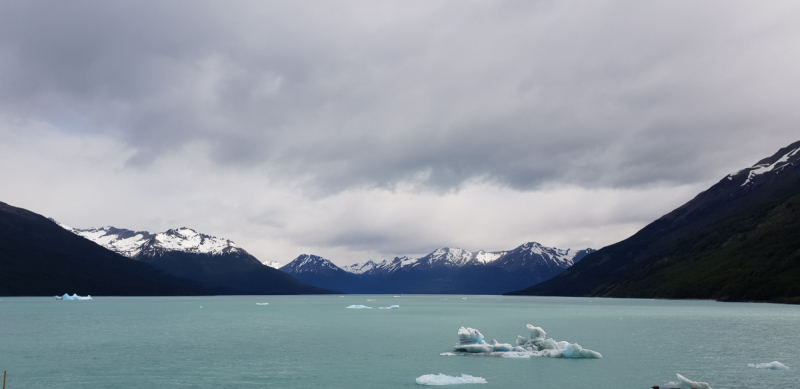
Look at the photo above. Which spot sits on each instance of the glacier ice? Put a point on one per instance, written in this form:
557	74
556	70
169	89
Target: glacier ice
359	306
443	379
471	341
391	307
74	296
774	365
448	354
685	383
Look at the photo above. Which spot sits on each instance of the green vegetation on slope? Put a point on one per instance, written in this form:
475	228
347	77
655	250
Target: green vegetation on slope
752	257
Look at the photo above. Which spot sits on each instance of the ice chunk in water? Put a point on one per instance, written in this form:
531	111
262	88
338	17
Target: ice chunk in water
447	354
358	307
685	383
443	379
472	341
774	365
391	307
74	296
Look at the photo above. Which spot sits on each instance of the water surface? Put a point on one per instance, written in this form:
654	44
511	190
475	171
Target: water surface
314	342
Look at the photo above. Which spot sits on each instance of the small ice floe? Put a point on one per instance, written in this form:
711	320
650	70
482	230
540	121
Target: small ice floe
463	298
447	354
201	306
358	307
396	296
262	303
774	365
471	342
73	297
443	379
370	299
685	383
391	307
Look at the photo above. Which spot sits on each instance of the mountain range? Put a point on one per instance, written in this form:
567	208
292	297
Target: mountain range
737	241
445	270
216	263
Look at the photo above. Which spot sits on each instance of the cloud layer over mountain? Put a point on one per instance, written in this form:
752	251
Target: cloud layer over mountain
365	129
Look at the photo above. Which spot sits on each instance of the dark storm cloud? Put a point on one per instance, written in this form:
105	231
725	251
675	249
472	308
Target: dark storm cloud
348	94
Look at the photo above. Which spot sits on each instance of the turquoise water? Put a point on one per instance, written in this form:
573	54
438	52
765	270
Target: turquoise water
314	342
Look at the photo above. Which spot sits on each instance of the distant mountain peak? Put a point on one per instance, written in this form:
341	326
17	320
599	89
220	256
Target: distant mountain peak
309	263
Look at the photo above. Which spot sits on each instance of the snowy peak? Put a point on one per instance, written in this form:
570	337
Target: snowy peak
785	157
126	242
132	244
190	241
486	257
533	254
446	256
311	264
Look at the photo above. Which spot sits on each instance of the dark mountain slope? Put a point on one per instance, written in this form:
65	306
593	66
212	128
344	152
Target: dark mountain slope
737	241
39	258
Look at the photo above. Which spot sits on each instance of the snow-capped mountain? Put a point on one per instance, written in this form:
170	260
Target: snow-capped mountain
218	263
312	264
135	243
273	264
534	254
445	270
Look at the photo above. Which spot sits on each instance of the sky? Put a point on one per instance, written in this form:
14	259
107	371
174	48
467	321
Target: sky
360	130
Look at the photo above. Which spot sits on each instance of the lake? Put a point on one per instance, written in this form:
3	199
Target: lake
314	342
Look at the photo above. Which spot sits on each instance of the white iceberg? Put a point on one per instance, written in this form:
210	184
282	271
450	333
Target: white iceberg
448	354
443	379
66	296
391	307
358	307
471	341
262	303
685	383
774	365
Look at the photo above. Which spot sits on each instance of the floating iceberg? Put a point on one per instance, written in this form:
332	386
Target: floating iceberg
358	307
685	383
66	296
391	307
471	341
262	303
774	365
447	354
443	379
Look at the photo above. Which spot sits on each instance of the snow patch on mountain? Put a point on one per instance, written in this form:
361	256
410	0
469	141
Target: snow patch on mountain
273	264
765	166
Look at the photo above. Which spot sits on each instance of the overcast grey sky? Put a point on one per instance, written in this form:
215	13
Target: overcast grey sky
364	130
